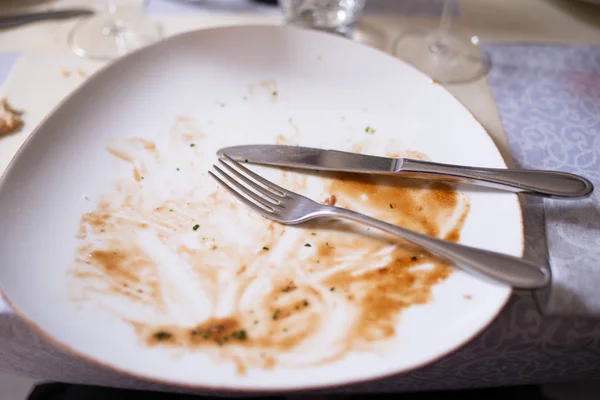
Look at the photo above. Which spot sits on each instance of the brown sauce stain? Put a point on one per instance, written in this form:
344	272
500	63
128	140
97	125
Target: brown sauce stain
294	126
143	143
241	270
219	331
281	140
268	86
131	271
330	200
291	311
136	175
413	205
387	276
187	131
120	154
271	88
381	294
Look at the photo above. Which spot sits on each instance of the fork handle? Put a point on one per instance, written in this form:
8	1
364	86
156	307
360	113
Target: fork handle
513	271
527	181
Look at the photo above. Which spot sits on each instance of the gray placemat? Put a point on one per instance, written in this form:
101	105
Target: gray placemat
548	98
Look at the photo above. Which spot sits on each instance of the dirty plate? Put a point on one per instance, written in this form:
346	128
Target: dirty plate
122	250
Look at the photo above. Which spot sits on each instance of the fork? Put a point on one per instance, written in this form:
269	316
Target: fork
289	208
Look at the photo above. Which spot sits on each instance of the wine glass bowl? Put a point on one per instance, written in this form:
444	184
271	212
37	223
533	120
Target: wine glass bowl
339	16
442	55
120	29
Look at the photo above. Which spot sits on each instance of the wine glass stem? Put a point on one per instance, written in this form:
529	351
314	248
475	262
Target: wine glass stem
443	30
111	6
114	27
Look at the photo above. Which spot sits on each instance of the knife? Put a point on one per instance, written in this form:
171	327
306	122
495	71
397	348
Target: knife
14	20
533	182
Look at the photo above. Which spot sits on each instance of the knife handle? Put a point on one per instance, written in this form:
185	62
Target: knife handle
534	182
14	20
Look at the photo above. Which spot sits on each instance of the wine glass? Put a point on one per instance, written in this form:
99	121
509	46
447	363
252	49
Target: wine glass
115	32
446	58
338	16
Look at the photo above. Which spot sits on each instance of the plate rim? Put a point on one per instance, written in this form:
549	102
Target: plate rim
242	389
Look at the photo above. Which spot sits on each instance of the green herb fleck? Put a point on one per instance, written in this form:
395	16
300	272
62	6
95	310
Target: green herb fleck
314	234
177	169
307	245
275	93
141	177
369	130
305	303
414	258
170	210
192	145
276	314
391	206
196	227
240	335
246	160
265	248
332	289
162	335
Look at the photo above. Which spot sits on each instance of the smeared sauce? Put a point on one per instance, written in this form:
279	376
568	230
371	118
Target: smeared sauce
266	295
267	86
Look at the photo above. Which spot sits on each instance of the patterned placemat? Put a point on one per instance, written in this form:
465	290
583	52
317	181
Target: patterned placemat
548	98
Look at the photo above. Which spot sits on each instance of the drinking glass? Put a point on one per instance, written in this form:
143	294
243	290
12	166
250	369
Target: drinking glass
339	16
120	29
446	58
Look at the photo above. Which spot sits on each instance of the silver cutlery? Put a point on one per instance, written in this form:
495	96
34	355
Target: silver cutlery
286	207
532	182
14	20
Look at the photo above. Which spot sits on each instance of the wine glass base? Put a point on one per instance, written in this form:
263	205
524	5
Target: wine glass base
369	35
454	60
106	36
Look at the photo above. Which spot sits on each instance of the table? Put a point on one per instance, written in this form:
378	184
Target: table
520	347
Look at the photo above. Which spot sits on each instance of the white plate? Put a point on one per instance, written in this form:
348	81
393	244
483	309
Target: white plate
215	88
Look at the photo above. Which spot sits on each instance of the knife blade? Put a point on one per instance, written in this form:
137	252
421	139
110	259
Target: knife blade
311	158
534	182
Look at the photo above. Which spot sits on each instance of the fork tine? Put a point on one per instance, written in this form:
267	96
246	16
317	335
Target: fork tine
267	193
256	207
256	177
243	189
